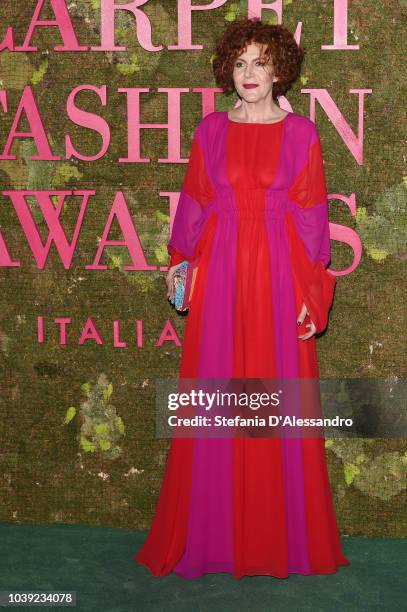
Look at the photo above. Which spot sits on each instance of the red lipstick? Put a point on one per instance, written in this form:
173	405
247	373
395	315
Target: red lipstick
250	85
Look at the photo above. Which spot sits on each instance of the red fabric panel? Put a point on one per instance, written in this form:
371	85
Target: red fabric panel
317	284
176	258
309	188
196	181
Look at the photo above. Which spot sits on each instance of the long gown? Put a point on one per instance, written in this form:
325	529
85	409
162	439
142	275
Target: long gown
253	207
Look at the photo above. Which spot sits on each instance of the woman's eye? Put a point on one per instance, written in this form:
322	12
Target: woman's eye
259	63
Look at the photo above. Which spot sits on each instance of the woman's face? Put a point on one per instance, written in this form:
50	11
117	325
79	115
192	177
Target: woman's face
249	68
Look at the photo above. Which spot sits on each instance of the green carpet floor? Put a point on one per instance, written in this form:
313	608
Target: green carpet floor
97	563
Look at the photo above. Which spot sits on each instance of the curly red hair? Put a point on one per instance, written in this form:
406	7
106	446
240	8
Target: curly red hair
279	45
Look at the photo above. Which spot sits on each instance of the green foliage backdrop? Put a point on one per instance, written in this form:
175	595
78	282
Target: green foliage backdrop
77	422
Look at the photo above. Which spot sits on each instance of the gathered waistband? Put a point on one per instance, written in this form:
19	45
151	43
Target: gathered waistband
275	204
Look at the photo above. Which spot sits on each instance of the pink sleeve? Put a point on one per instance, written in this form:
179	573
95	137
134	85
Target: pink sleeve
308	228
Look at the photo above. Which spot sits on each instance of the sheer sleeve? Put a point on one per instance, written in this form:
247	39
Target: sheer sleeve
309	233
189	219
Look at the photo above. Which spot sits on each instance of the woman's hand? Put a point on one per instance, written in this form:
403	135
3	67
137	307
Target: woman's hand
170	282
311	325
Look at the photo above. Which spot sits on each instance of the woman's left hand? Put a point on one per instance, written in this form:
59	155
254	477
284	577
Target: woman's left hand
311	325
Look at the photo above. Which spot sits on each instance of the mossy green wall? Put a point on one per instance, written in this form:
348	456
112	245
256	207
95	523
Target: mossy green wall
47	473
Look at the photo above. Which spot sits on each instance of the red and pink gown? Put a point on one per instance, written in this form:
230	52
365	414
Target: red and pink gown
253	207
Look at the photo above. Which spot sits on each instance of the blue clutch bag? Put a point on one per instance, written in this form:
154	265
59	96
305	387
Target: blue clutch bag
180	277
184	280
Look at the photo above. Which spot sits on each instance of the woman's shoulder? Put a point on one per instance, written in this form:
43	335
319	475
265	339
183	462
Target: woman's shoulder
210	119
303	125
208	124
300	128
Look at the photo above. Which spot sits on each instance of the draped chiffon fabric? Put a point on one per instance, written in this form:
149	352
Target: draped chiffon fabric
253	207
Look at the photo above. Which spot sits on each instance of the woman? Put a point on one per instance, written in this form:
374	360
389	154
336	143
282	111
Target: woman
253	208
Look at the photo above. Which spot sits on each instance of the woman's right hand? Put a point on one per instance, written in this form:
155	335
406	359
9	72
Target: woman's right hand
169	279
